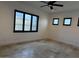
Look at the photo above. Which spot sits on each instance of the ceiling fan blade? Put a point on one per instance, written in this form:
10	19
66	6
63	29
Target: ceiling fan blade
43	5
53	2
44	2
58	5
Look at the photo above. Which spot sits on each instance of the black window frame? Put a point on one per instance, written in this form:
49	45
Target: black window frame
67	24
53	21
24	21
78	22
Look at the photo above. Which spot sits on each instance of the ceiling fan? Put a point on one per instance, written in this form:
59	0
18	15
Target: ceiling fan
51	4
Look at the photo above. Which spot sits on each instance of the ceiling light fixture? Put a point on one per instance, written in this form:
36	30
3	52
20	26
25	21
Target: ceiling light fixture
51	7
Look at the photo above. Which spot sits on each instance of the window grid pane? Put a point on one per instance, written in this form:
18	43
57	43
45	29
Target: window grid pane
19	21
34	23
67	21
56	21
27	22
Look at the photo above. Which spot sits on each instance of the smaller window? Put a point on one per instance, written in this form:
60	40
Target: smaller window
55	21
78	22
67	21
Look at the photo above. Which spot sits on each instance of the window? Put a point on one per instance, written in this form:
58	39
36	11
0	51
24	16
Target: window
19	21
25	22
78	22
55	21
67	21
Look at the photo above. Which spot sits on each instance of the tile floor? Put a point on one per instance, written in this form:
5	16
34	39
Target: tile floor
39	49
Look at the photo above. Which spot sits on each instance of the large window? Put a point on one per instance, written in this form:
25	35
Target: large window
25	22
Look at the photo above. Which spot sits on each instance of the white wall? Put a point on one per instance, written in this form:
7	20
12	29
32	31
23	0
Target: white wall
66	34
7	36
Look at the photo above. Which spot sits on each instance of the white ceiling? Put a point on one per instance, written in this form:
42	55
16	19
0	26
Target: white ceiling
68	6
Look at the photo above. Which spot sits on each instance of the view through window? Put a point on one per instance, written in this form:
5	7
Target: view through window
25	22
